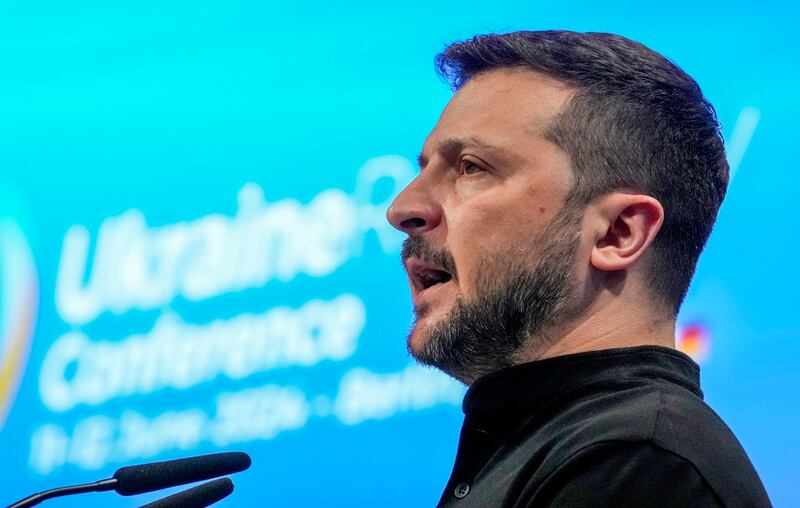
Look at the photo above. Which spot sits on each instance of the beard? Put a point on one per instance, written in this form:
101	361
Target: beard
516	309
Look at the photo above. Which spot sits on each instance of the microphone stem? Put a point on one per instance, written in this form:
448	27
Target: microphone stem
35	499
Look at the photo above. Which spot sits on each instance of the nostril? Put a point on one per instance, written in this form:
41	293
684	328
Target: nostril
414	223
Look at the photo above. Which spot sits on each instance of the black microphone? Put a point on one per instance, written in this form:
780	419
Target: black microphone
197	497
132	480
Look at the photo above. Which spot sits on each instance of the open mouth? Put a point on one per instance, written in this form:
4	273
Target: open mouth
431	277
425	276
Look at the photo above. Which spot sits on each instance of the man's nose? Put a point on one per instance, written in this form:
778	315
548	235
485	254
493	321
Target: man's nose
414	211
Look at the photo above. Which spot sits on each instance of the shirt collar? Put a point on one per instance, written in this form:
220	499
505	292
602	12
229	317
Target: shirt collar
519	387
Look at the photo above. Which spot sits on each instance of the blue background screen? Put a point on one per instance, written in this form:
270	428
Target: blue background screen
194	256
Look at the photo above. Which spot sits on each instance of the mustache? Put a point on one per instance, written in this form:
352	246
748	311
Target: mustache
419	248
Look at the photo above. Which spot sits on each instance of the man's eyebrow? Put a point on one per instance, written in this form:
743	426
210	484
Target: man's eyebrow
450	148
422	161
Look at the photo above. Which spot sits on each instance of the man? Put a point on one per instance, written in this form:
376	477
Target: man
563	200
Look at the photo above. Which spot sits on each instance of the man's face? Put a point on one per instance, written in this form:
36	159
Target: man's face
488	265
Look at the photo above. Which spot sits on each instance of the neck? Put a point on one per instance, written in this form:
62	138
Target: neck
611	321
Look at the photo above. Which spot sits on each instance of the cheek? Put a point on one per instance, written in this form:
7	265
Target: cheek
485	227
478	252
468	245
493	228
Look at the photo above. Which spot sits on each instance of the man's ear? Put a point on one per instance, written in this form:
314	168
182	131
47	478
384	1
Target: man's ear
625	224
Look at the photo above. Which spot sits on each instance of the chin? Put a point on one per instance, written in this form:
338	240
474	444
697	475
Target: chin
417	339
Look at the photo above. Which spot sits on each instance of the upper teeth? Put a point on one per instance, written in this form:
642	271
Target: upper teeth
431	277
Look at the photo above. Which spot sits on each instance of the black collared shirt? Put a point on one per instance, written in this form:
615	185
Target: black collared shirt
618	427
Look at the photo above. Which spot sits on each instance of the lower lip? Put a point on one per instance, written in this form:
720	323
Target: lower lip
431	291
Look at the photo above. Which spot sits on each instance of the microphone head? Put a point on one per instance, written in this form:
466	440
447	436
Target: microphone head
132	480
197	497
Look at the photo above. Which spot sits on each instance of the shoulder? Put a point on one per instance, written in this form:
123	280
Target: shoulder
622	473
690	429
655	435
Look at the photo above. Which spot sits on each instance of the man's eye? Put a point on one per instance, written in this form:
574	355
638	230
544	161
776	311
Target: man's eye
466	167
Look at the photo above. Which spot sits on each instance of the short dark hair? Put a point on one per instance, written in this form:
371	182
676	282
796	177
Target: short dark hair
636	120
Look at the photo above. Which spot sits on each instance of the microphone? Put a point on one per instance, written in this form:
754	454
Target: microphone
197	497
132	480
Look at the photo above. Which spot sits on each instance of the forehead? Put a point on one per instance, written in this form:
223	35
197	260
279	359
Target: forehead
502	107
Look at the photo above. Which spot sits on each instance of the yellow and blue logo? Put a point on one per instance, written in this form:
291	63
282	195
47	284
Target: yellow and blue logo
19	299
